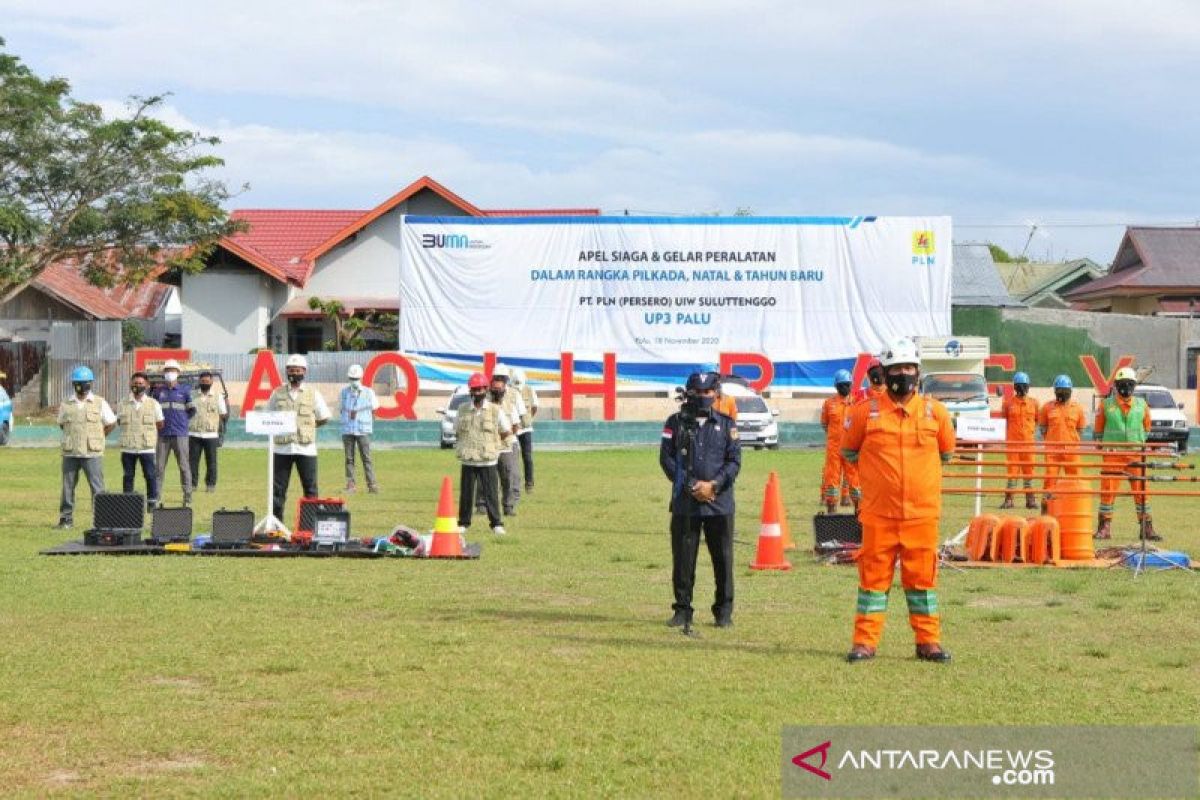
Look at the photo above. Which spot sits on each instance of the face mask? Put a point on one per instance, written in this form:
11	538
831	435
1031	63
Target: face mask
901	384
1021	389
1125	388
205	387
843	389
477	397
82	389
171	376
295	380
876	377
355	382
498	393
138	390
700	405
1062	395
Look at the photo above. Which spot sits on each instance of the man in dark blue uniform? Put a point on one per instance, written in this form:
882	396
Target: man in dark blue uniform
178	409
701	456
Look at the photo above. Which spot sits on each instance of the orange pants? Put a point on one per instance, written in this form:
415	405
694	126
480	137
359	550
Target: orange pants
837	472
1053	471
914	543
1117	463
1020	465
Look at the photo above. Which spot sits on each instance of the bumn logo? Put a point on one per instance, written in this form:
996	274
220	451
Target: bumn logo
450	241
802	760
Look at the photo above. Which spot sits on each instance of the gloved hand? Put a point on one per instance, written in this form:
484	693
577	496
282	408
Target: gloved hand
704	491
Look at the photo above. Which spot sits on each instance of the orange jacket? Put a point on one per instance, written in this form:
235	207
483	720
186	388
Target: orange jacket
727	405
871	391
1062	422
833	417
899	449
1021	414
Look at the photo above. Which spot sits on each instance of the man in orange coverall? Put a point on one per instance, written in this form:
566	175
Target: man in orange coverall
1123	417
1061	421
1020	412
833	418
900	442
875	386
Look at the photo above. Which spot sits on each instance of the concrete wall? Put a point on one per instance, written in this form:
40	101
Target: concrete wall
226	310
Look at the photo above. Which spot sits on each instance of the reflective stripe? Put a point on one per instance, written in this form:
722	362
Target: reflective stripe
770	530
850	455
872	602
921	601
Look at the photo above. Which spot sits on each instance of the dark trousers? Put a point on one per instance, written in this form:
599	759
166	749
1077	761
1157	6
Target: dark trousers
129	464
177	445
526	440
485	478
306	466
208	447
92	468
685	544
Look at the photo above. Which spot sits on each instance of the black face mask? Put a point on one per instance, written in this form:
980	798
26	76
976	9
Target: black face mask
83	388
875	376
138	390
1062	395
901	384
477	397
295	380
843	389
205	387
1021	389
497	394
1125	388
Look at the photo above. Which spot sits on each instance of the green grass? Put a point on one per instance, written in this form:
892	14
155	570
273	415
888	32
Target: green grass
542	669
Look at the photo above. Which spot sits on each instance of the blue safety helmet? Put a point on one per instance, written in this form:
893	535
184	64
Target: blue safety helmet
841	376
1020	377
702	381
82	374
1063	382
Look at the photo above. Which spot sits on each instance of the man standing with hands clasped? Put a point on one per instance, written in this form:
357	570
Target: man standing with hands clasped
358	404
701	456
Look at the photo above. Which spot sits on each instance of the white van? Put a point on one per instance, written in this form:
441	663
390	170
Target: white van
756	424
1167	420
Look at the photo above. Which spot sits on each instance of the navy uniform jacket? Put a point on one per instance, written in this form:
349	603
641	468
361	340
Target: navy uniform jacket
717	457
177	408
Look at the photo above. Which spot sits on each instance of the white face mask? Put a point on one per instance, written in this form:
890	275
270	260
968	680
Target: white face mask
171	376
355	382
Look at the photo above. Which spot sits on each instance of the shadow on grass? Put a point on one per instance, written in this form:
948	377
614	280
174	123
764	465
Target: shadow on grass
707	639
548	615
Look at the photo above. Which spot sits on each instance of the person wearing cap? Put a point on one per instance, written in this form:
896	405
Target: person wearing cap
837	469
701	456
483	432
1020	413
525	437
178	409
875	387
297	449
204	431
358	405
85	420
141	418
1123	417
899	441
507	465
1061	421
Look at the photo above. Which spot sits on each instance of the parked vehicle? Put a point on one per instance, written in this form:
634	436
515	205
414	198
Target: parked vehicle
449	414
756	423
1167	420
952	372
5	416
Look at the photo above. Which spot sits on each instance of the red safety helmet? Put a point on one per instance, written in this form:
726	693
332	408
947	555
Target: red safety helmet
477	381
874	363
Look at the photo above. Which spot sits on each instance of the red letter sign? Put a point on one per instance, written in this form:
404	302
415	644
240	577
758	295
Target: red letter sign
144	355
766	370
264	367
607	388
405	397
1097	378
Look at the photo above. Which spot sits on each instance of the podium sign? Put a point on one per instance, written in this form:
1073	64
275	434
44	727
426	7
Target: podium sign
981	429
271	423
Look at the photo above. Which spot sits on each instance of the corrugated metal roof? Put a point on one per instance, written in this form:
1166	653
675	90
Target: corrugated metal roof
974	280
1150	259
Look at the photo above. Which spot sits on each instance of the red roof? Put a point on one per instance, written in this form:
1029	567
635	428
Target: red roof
286	243
1149	261
64	283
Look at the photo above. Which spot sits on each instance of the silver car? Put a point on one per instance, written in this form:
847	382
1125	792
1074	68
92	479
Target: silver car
449	414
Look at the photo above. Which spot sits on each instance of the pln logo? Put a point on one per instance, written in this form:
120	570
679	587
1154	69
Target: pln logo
924	249
451	241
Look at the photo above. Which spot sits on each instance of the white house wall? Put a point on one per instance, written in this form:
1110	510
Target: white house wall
225	311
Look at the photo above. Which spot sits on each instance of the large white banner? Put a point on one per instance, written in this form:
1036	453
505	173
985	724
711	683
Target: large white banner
669	295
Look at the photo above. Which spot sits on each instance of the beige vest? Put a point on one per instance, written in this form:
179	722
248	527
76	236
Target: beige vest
207	418
83	429
139	428
306	414
478	433
509	404
527	396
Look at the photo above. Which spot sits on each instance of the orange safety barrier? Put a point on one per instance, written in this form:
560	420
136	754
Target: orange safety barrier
1013	531
1044	541
982	537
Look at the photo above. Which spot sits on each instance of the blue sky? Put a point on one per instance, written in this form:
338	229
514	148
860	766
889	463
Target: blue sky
1078	115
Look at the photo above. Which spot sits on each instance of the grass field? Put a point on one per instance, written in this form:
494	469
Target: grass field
544	669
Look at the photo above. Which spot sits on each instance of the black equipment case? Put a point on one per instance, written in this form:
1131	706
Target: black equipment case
169	525
118	511
112	537
232	528
836	528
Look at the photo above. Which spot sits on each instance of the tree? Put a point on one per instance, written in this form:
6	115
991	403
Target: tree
119	197
348	329
1001	256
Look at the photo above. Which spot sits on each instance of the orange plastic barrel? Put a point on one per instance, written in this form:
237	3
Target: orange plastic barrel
981	536
1012	539
1043	541
1075	516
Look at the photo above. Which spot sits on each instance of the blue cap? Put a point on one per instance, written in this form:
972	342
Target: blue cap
1021	377
1063	382
702	381
841	376
82	374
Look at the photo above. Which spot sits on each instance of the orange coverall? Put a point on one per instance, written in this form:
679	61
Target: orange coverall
900	449
1116	462
1061	422
727	405
1021	415
833	418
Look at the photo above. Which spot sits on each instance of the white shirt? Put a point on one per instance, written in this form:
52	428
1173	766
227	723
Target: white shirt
320	411
533	404
222	409
107	417
158	416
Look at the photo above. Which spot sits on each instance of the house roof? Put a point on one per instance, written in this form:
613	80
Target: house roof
974	280
1149	260
298	307
1023	279
286	243
64	283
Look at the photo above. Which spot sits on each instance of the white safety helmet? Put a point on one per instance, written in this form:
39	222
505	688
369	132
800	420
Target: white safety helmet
296	360
355	372
502	371
518	376
170	363
901	351
1125	374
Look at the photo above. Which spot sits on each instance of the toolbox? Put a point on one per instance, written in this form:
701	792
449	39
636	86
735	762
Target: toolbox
232	528
118	511
171	525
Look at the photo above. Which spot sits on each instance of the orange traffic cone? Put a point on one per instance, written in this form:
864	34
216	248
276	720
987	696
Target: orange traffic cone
770	536
788	544
446	543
